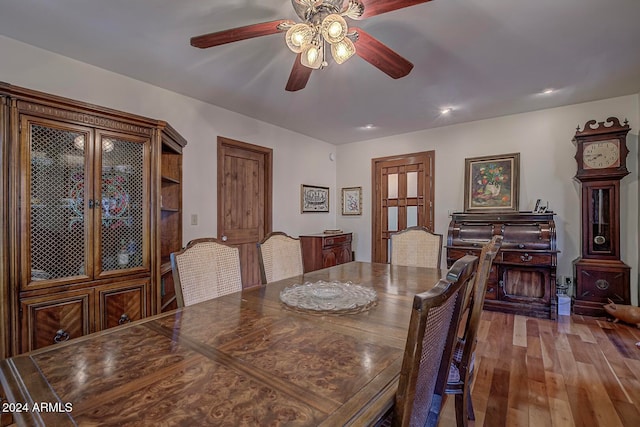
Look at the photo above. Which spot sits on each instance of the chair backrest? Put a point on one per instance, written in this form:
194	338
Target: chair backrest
205	269
416	247
475	303
432	333
280	257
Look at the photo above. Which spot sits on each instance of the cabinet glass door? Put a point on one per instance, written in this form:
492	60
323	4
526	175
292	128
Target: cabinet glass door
122	198
53	202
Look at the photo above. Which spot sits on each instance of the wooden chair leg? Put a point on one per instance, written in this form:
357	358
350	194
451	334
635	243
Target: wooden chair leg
464	408
460	412
470	414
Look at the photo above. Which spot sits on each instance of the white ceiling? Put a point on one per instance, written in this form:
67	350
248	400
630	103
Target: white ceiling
484	58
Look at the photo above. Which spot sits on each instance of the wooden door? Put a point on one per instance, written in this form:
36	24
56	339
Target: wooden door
244	201
403	197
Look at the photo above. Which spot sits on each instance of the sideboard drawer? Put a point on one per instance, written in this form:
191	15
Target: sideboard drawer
336	240
530	258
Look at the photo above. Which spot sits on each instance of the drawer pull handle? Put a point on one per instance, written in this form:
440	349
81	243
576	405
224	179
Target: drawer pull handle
124	319
521	246
526	258
61	336
490	290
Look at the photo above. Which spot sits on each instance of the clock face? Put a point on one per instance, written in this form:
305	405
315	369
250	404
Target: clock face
601	154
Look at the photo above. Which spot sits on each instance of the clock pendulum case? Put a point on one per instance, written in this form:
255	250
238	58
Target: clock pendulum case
600	274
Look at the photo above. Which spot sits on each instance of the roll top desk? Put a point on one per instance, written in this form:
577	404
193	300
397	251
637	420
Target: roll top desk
523	276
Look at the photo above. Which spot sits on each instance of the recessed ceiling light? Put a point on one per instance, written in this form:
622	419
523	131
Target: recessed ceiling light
446	110
548	91
368	126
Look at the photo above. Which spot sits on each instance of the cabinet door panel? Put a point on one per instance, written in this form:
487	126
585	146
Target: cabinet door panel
329	258
57	318
53	195
344	254
521	284
123	303
122	203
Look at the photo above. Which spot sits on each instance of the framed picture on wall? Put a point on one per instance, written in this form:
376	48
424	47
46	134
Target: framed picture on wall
352	201
491	183
314	198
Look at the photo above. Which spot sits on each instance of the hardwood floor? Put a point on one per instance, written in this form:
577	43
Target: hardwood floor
578	371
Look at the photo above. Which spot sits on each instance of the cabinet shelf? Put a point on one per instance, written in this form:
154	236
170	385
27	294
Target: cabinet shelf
170	212
169	180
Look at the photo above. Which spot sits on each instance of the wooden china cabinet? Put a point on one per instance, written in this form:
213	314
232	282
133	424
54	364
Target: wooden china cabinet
81	222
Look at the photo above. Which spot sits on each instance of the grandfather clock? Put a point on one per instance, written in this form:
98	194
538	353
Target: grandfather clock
599	272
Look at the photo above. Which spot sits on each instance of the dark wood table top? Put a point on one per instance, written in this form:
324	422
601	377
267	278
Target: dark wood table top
241	359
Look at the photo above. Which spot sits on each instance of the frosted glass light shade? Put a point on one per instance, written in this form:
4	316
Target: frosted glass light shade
312	56
298	36
334	28
342	50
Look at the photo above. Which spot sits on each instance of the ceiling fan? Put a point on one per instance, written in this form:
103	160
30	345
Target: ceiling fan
324	24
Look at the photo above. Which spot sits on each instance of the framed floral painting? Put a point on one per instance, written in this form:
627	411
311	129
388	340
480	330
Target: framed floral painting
352	201
492	183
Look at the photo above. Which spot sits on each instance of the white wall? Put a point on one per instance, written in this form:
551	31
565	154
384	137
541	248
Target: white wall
297	159
547	166
542	138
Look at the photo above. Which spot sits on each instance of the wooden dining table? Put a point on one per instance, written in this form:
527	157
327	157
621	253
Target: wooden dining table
240	359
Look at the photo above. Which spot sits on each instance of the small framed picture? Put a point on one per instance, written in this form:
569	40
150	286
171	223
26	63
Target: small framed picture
314	198
352	201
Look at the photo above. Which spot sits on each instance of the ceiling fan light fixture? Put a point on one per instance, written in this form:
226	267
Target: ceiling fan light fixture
334	28
343	50
312	56
298	36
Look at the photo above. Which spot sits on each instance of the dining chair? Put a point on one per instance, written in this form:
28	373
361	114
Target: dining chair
280	257
429	348
416	247
205	269
461	370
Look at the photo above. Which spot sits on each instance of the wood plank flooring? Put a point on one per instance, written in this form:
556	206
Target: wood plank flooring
577	371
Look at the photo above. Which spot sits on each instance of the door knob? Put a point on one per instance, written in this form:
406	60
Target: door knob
224	238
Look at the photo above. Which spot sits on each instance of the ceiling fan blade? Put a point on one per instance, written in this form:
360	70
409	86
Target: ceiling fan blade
299	76
378	7
240	33
380	55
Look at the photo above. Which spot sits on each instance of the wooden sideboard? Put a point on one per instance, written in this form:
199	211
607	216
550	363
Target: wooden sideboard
523	276
325	250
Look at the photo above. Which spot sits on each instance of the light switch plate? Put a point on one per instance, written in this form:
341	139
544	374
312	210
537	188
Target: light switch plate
194	219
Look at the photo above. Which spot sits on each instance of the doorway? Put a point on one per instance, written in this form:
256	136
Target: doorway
244	201
403	196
